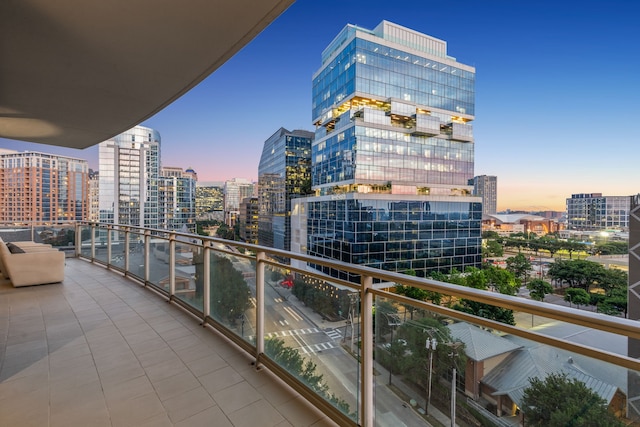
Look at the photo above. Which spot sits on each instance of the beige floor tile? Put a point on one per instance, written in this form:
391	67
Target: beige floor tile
120	374
259	413
91	413
299	412
207	418
170	366
23	385
127	389
236	396
188	404
132	412
218	380
27	409
150	359
175	385
206	365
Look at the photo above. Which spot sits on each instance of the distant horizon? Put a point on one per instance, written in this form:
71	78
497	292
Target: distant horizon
556	93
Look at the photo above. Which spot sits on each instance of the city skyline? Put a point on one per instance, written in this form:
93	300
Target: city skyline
547	75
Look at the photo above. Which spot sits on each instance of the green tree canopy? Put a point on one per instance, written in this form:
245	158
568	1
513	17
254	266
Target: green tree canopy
539	288
229	290
520	266
559	401
577	296
577	273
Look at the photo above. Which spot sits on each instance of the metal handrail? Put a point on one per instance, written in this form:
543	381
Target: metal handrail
367	291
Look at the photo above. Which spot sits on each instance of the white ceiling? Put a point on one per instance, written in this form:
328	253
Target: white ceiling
74	73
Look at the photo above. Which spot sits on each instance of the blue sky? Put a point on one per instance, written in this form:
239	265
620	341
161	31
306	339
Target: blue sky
557	97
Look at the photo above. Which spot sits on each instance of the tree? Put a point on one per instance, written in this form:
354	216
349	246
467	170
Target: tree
490	234
539	288
572	246
550	244
502	280
492	248
520	266
416	355
492	312
577	296
578	273
560	401
305	370
229	290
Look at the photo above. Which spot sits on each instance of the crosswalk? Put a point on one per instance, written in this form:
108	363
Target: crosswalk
291	332
334	334
316	348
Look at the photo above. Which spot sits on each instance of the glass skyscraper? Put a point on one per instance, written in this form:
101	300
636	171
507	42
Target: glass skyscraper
393	154
593	211
129	166
284	173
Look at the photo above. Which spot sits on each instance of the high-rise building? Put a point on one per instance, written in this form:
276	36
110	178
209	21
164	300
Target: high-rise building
248	220
210	202
593	211
486	186
40	187
235	190
393	154
129	166
94	196
177	199
284	173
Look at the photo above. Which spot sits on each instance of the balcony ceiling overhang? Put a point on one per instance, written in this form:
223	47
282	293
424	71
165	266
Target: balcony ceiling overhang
74	73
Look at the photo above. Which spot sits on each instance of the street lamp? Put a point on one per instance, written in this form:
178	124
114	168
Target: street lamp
431	345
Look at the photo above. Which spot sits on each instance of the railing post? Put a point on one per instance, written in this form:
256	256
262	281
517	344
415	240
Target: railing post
93	242
78	239
126	250
172	266
109	232
147	246
206	282
366	355
260	257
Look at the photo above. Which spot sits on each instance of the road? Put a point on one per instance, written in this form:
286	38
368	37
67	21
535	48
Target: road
289	320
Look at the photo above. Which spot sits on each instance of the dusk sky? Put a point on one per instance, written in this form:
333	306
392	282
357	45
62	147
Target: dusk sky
557	92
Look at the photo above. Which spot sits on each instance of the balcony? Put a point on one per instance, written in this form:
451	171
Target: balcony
121	342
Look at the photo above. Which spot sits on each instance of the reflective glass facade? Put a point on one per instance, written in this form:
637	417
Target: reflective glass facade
396	235
593	211
129	166
284	173
393	154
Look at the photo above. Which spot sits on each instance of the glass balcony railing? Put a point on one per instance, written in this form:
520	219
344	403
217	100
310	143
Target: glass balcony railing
365	355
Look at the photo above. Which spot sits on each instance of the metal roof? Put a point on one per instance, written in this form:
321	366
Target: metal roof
480	344
511	376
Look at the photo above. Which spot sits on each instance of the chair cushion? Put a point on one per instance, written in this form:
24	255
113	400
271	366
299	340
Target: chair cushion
14	249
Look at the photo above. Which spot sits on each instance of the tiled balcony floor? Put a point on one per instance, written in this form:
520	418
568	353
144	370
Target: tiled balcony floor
100	350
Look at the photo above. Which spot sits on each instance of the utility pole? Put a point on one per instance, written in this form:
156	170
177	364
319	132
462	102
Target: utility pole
454	352
431	345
